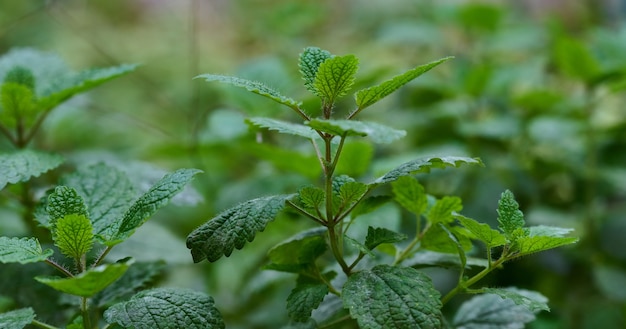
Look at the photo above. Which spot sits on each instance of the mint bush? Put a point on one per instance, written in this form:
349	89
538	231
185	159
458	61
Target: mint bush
375	279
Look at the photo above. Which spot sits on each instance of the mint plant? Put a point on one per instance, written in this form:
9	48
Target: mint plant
375	280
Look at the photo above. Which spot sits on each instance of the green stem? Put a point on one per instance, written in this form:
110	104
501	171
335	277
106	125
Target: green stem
335	322
462	286
334	246
356	261
42	325
85	312
102	255
8	135
305	213
59	267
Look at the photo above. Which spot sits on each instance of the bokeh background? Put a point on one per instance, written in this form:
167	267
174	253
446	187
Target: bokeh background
537	90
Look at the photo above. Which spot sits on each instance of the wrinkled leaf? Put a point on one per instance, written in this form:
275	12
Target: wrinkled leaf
22	165
444	209
351	192
304	298
166	308
312	197
284	127
64	201
532	244
490	311
17	319
531	300
376	132
482	232
378	235
22	250
310	60
423	166
73	235
511	219
335	76
88	283
234	227
17	105
410	194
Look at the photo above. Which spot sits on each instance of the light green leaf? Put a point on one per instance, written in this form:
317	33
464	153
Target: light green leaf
17	105
166	308
252	86
17	319
427	258
368	205
22	165
482	232
376	132
22	250
531	300
107	192
136	277
284	127
489	311
377	236
410	194
310	60
371	95
156	197
72	84
73	234
424	165
511	219
64	201
87	283
304	298
573	58
392	297
543	230
351	192
356	157
444	209
437	239
358	246
312	197
525	245
335	76
303	248
234	227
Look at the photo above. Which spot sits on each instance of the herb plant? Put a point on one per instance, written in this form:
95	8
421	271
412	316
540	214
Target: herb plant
375	280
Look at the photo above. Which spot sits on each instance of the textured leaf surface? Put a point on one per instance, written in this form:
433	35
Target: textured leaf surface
17	319
107	192
531	300
444	209
252	86
158	196
378	235
490	311
21	165
166	308
303	299
312	197
410	194
371	95
284	127
543	230
351	192
234	227
374	131
532	244
424	165
511	219
87	283
310	61
392	297
438	239
73	234
17	104
335	76
65	201
22	250
482	232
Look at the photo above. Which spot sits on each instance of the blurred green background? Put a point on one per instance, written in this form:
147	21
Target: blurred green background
537	91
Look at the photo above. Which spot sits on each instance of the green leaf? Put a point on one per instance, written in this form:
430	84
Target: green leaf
157	196
233	227
573	58
64	201
166	308
304	298
73	234
531	300
377	236
543	230
335	76
107	192
489	311
423	166
312	197
371	95
310	60
22	250
356	157
358	246
392	297
17	319
482	232
136	277
426	258
252	86
21	75
376	132
22	165
283	127
511	219
17	105
303	248
368	205
444	209
526	245
437	239
76	83
87	283
351	192
410	194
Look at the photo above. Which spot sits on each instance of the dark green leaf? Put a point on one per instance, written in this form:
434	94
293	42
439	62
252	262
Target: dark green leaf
17	319
303	248
491	312
252	86
88	283
158	196
410	194
511	219
310	60
377	236
303	299
423	166
444	209
335	76
73	235
312	197
351	192
65	201
482	232
392	297
22	165
376	132
371	95
284	127
166	308
531	300
22	250
234	227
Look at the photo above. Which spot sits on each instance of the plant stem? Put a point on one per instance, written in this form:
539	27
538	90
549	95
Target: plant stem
356	261
335	322
85	313
101	257
7	133
334	246
306	213
59	267
42	325
462	286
